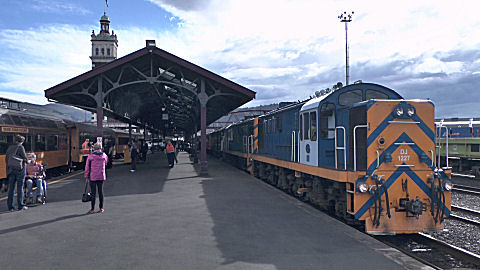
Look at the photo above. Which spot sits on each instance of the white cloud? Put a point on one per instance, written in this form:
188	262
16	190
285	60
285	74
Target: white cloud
267	45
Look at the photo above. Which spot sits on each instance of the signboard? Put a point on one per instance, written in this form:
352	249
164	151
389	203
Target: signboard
15	129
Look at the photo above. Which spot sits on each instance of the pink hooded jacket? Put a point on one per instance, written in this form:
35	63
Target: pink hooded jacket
95	167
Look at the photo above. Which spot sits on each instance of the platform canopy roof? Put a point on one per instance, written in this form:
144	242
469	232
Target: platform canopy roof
154	88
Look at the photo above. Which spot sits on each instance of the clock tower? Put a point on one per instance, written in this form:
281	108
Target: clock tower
104	45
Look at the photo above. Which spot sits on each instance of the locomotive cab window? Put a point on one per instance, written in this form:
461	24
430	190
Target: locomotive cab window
327	121
313	126
306	126
301	128
278	124
374	94
350	97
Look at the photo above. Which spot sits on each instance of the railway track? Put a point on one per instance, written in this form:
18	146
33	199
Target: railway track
433	252
466	189
469	212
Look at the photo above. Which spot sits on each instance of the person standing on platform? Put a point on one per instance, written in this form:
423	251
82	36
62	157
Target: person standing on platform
16	175
110	146
170	149
86	147
95	173
134	150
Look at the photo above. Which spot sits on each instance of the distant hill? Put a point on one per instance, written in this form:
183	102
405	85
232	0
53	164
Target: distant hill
59	111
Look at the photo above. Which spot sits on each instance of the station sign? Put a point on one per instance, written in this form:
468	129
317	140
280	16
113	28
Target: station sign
15	129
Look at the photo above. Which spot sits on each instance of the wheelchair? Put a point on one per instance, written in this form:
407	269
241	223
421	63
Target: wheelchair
43	198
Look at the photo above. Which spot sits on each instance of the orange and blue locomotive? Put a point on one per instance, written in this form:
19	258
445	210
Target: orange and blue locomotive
361	152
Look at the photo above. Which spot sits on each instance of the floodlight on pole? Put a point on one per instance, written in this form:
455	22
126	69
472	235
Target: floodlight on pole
346	18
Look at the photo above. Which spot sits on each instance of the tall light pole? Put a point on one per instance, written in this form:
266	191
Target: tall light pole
346	18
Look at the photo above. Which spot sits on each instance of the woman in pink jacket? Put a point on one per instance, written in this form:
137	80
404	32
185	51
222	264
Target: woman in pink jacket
95	172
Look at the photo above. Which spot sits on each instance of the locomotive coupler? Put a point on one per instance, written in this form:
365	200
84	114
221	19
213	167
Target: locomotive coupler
415	207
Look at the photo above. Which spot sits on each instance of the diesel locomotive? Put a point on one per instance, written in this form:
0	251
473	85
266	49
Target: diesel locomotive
361	152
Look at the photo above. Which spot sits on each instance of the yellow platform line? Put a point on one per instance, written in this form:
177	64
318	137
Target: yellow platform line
49	183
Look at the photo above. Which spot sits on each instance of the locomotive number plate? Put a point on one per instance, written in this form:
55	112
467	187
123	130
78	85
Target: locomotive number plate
404	156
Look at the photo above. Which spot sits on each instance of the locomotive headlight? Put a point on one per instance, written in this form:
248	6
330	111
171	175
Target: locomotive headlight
447	185
362	187
399	111
411	112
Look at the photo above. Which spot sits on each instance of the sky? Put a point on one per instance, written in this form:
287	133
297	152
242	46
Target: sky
284	50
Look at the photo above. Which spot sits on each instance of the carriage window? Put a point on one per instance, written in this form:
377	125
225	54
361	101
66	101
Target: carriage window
374	94
327	121
40	143
475	147
313	126
52	142
28	143
350	97
63	142
278	124
306	126
3	144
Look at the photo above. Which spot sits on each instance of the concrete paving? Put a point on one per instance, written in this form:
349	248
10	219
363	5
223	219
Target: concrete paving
161	218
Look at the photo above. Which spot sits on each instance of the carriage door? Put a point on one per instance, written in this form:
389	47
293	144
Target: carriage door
308	148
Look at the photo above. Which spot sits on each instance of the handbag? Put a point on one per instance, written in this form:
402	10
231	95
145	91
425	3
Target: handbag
86	197
15	162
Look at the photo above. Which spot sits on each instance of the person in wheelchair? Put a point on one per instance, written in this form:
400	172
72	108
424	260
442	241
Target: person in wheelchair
35	176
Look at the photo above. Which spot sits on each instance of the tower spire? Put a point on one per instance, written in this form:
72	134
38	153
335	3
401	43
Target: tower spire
105	7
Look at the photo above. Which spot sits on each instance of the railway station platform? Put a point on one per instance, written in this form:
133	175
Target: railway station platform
161	218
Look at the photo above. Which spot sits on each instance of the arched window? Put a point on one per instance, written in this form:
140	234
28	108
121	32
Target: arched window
108	51
103	51
96	51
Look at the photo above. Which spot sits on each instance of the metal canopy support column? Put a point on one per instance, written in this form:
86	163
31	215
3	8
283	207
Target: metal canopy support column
203	98
99	99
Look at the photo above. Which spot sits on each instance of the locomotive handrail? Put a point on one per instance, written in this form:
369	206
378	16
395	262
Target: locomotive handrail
405	165
340	148
292	157
378	158
404	143
403	122
439	144
355	145
251	144
433	157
